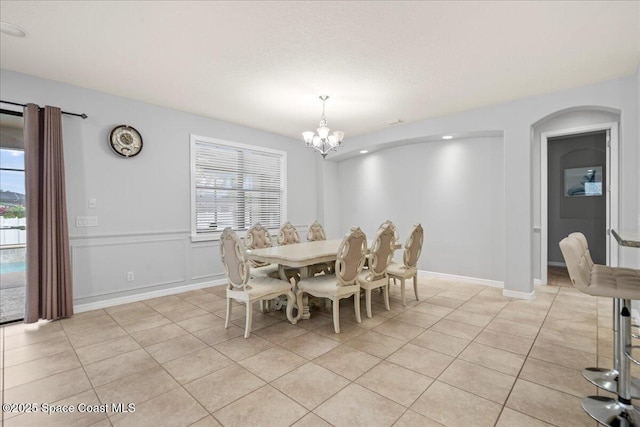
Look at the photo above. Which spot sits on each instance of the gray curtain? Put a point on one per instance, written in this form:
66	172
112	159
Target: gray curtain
49	290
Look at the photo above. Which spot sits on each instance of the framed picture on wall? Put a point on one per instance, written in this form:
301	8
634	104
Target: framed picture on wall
583	182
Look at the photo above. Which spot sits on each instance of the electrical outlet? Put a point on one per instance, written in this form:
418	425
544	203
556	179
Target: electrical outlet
86	221
130	276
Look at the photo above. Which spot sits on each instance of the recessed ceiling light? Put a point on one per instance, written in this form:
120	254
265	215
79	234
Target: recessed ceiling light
364	151
12	30
447	137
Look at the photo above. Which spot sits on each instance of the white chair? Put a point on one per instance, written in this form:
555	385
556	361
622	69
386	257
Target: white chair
258	237
288	235
408	268
375	275
349	263
623	285
314	234
244	288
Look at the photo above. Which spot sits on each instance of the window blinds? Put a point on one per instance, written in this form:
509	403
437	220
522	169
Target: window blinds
236	187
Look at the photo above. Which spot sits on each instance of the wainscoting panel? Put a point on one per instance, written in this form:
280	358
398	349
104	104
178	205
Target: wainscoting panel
102	266
205	261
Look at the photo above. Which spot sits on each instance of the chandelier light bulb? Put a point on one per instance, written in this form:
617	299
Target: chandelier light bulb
308	137
324	141
323	132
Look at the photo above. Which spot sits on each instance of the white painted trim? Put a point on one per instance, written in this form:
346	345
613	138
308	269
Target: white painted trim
612	197
466	279
79	308
520	295
116	235
538	282
613	202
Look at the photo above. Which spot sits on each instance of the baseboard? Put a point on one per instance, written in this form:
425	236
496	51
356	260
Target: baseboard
519	295
466	279
556	264
537	282
146	295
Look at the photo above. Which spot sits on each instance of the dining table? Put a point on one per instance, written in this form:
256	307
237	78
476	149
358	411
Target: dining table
297	255
301	256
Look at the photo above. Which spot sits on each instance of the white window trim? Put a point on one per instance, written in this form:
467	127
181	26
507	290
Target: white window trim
195	237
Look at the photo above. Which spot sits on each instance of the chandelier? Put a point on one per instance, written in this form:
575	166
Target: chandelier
323	142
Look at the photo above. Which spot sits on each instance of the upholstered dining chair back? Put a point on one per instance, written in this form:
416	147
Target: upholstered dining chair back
578	261
585	246
382	249
288	235
316	232
258	237
351	256
413	246
390	224
233	259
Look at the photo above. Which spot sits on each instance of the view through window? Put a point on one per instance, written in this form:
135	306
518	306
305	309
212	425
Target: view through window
235	185
13	234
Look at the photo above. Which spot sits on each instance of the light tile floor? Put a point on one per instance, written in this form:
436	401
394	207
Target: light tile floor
463	355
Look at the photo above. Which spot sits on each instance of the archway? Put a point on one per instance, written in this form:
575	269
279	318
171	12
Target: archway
570	121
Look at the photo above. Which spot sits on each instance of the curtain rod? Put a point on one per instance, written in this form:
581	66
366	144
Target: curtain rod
84	116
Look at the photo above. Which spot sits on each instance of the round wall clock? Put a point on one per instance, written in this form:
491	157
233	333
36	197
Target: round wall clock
125	141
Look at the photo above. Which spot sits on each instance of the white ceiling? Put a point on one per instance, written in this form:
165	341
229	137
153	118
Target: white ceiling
263	64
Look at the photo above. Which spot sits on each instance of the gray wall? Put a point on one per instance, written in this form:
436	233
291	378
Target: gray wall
569	214
517	122
143	203
455	189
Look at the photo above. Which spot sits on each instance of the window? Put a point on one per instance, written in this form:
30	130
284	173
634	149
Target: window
13	221
235	185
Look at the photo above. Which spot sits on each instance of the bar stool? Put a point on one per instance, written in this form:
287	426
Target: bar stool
607	379
617	283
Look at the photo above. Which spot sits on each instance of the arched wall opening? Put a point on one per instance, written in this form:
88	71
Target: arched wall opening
570	121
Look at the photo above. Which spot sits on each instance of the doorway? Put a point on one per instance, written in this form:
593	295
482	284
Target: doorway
576	180
13	235
579	206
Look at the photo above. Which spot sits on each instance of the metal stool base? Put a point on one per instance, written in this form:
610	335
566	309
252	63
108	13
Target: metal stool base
607	379
610	412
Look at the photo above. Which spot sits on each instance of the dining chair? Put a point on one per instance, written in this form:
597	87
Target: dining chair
375	275
314	234
390	224
349	263
408	268
258	237
288	234
244	288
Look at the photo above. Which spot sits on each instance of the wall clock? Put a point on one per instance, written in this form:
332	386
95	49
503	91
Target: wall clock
125	141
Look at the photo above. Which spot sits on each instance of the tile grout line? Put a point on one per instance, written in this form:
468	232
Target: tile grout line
471	341
84	370
525	361
280	345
